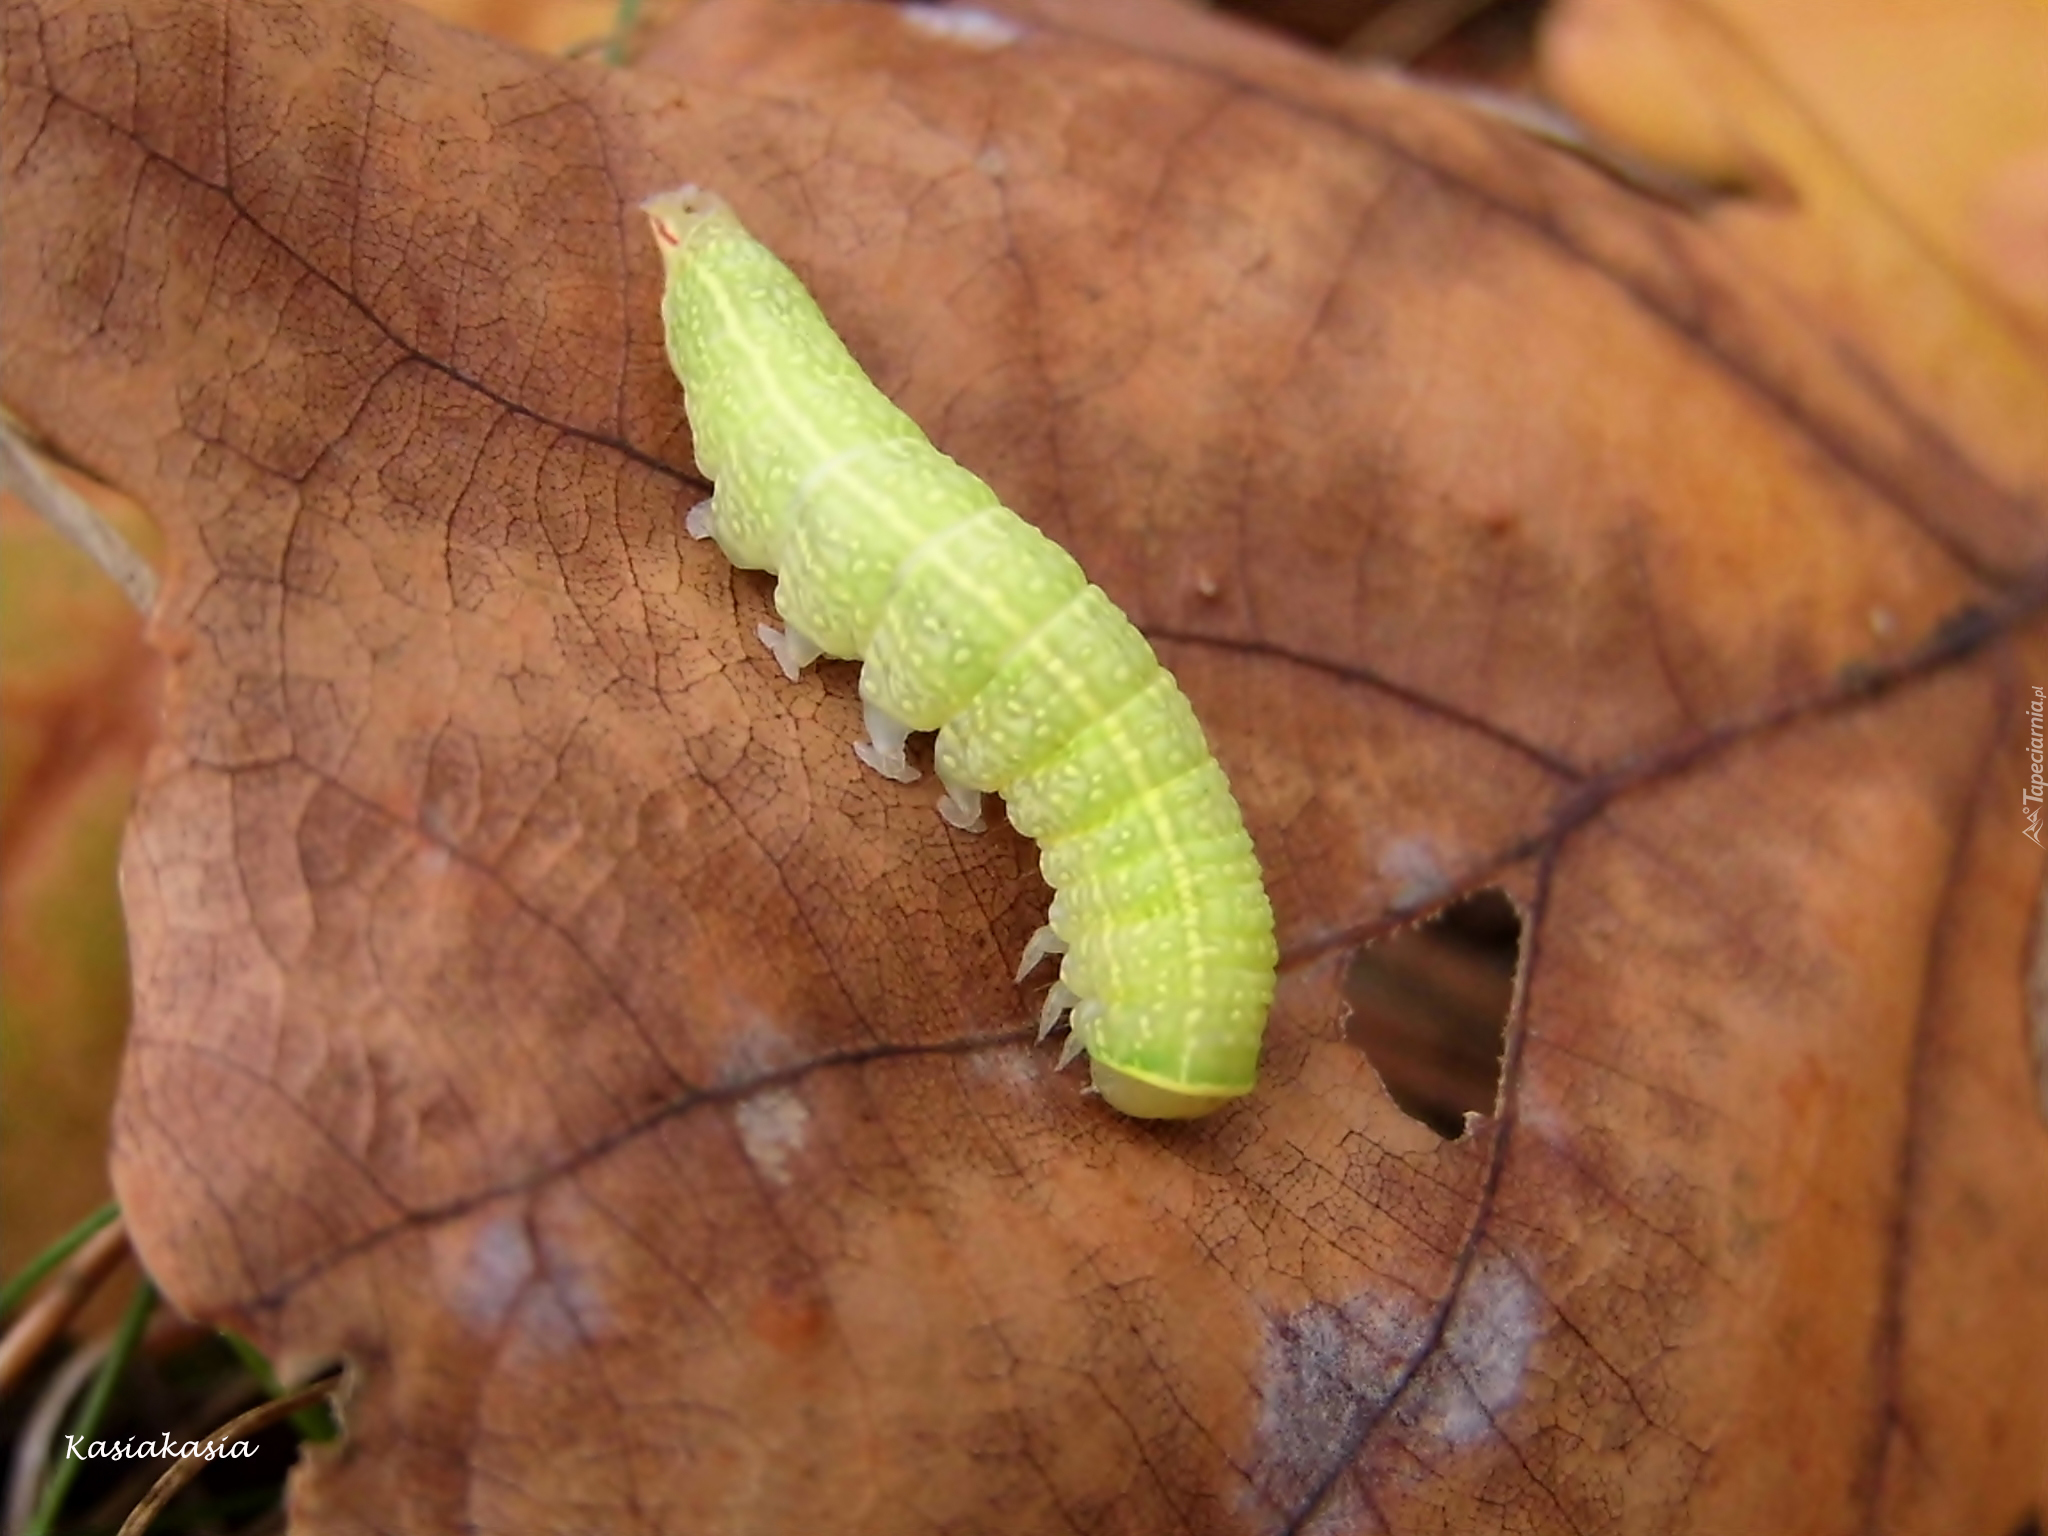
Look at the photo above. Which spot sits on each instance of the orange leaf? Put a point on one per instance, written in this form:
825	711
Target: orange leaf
77	709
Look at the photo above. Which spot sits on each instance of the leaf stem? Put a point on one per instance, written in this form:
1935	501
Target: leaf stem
22	472
313	1422
182	1471
53	1308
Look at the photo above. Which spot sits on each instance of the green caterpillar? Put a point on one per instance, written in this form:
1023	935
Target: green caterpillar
974	624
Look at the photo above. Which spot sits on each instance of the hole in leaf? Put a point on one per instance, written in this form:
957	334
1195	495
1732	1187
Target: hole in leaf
1429	1007
1490	39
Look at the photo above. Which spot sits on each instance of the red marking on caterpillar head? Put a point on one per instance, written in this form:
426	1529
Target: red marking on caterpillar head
676	214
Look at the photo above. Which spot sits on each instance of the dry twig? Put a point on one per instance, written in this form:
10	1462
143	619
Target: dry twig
53	1308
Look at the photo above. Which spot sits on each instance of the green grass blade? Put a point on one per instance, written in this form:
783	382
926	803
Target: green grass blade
86	1422
12	1294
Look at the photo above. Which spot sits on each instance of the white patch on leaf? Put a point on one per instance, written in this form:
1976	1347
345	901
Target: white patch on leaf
773	1127
1330	1374
1415	869
1325	1373
1490	1336
967	25
484	1268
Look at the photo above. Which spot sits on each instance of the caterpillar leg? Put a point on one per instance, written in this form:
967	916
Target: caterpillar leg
792	647
960	805
1044	942
702	521
1077	1041
883	750
1057	1001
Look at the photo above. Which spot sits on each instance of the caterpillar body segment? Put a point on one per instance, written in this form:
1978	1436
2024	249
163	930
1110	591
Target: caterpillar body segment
972	623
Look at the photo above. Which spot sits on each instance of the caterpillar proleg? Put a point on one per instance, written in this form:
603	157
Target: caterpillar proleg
972	623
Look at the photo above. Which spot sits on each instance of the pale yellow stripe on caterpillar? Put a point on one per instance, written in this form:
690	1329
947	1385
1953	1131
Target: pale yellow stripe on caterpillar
768	377
828	490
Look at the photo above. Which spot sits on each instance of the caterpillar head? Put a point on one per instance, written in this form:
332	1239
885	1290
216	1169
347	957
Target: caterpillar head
679	214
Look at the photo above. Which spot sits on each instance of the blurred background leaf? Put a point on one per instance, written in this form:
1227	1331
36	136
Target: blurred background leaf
77	700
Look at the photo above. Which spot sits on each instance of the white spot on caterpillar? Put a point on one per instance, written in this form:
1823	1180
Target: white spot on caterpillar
963	24
773	1126
992	163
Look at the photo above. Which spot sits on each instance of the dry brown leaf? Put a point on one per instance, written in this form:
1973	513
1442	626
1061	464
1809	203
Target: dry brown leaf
539	1005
